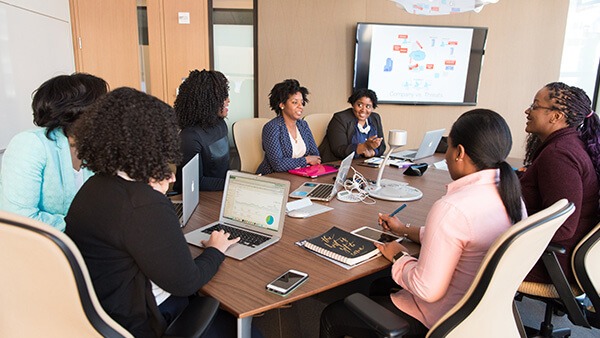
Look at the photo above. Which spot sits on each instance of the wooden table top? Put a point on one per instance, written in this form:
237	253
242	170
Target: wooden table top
240	285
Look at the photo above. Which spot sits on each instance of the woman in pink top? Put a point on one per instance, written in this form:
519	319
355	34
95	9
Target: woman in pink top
483	202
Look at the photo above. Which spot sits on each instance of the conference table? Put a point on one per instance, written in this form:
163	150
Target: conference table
240	285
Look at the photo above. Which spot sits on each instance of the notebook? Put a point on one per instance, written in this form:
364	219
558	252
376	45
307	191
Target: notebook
325	191
314	171
253	208
342	246
427	148
190	191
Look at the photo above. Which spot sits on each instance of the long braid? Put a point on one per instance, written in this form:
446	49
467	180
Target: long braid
574	103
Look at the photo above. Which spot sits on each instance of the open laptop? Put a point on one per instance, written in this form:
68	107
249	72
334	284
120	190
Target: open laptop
190	191
427	148
253	208
325	191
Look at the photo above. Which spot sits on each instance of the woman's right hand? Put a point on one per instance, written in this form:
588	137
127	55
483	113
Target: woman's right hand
220	241
313	160
392	224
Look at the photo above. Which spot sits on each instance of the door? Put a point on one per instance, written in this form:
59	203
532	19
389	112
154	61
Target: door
105	40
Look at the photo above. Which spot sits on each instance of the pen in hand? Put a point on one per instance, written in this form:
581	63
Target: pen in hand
398	210
384	223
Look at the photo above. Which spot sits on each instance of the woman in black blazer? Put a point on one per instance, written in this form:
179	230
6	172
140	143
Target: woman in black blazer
357	129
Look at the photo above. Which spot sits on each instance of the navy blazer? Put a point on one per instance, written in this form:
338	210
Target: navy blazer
278	147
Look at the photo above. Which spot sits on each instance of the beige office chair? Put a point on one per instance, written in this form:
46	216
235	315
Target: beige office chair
47	290
562	297
318	125
487	309
247	136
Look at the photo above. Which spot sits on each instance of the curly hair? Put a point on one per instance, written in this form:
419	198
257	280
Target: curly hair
200	99
58	102
363	92
487	140
574	103
129	131
282	91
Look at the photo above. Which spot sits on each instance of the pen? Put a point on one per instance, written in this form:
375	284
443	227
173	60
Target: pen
398	210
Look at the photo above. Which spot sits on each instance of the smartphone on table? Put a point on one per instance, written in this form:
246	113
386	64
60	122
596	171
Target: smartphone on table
287	282
376	235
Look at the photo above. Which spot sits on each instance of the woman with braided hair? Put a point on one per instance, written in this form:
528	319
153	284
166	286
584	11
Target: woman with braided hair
201	108
562	161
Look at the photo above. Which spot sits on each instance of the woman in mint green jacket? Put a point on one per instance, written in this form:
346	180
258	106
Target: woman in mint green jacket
40	171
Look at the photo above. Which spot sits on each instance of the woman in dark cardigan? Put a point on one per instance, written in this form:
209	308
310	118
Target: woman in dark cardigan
562	161
122	222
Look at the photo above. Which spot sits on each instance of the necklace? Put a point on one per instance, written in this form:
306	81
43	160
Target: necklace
293	133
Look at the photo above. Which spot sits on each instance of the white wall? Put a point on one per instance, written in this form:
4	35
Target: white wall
35	45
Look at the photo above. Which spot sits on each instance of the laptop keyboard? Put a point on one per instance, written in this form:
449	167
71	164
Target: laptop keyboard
246	238
321	191
178	209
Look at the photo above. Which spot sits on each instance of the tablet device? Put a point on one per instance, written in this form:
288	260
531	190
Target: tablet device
376	235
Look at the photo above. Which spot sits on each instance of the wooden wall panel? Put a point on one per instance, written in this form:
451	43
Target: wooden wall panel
105	39
186	45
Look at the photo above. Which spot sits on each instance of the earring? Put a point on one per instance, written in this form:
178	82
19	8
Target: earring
457	159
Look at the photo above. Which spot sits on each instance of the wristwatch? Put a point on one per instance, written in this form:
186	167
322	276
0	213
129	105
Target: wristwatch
400	255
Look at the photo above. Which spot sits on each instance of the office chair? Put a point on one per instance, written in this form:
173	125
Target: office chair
560	296
487	309
318	125
247	137
47	290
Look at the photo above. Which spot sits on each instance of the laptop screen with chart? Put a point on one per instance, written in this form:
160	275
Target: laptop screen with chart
253	208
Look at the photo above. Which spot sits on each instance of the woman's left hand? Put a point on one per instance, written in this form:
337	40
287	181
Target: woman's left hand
373	142
313	160
390	249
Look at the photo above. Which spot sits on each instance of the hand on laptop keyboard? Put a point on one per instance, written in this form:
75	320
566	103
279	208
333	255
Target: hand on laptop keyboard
220	241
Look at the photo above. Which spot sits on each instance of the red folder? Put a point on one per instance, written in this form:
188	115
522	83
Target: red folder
314	170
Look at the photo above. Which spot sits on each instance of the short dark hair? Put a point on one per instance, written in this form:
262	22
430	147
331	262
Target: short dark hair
129	131
58	102
201	97
487	140
363	92
283	90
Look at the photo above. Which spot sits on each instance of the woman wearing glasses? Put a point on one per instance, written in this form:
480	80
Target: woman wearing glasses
357	129
562	161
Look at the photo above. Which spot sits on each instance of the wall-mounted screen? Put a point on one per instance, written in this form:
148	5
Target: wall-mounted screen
411	64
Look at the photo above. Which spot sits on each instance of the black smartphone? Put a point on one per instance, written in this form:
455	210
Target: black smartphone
287	282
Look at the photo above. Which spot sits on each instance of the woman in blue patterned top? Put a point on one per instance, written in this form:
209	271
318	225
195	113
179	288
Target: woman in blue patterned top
286	139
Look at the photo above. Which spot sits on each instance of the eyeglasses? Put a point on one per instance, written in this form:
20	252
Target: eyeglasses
534	107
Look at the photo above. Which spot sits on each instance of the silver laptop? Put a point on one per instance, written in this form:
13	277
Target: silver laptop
325	191
427	148
190	194
253	208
